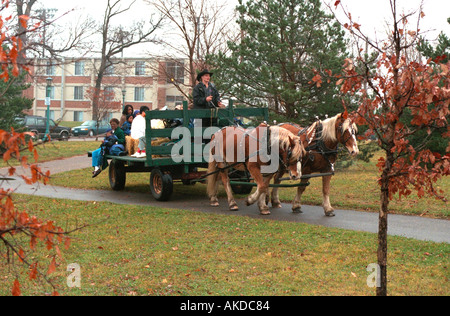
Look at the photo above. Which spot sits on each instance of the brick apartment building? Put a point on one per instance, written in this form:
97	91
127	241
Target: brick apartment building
137	81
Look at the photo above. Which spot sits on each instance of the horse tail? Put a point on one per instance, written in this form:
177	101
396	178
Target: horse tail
212	171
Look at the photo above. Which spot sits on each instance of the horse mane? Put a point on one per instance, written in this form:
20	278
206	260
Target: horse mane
329	128
283	136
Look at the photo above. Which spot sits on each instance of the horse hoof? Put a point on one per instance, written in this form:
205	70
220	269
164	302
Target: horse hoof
264	212
234	208
330	214
247	202
215	204
297	210
276	205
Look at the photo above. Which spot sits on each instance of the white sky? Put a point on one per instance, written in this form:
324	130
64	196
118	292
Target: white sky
371	14
374	14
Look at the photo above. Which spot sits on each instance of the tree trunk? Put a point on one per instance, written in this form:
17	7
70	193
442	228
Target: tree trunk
95	101
383	227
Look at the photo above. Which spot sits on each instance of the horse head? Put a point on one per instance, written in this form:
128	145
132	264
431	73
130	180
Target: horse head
291	153
346	131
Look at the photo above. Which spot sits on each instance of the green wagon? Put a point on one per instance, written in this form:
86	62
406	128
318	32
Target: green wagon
187	163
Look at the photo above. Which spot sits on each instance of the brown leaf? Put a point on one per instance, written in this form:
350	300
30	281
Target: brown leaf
52	267
33	272
16	288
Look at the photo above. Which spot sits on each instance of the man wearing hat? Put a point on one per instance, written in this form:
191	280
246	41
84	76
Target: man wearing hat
205	93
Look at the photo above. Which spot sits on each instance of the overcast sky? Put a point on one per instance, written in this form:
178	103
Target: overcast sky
371	14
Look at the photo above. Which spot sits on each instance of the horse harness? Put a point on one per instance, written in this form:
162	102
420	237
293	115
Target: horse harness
285	164
269	151
317	145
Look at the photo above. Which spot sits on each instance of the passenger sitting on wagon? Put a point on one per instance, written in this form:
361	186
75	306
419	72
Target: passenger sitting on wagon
127	110
206	96
138	133
113	144
126	127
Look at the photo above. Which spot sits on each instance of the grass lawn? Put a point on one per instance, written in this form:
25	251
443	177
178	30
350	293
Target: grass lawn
136	250
56	150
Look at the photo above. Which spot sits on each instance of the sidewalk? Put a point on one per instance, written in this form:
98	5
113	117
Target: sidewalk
399	225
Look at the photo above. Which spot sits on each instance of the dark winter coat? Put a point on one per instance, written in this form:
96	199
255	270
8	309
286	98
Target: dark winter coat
200	94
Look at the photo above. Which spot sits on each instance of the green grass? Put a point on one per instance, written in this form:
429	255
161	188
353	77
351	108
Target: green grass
55	150
70	124
136	250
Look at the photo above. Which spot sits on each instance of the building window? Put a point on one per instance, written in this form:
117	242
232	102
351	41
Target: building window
109	71
139	94
78	116
78	93
175	71
50	69
140	68
109	94
108	116
174	100
79	68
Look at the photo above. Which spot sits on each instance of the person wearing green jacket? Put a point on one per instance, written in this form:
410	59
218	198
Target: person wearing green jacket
113	144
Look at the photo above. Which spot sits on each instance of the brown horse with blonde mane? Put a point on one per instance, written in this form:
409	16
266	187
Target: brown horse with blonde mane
321	141
261	151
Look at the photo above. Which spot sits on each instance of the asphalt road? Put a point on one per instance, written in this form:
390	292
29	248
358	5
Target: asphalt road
399	225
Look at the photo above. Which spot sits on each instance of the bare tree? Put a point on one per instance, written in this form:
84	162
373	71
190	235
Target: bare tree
47	37
117	38
204	27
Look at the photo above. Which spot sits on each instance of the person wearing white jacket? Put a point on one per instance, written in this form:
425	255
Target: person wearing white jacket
138	132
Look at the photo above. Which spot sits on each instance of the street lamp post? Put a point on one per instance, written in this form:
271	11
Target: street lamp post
124	93
48	95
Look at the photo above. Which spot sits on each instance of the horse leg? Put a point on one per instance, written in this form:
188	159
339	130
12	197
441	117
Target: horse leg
213	184
262	202
329	211
261	190
214	201
276	203
226	183
297	204
251	199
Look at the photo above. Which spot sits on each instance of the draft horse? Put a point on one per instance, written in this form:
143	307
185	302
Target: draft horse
248	150
320	141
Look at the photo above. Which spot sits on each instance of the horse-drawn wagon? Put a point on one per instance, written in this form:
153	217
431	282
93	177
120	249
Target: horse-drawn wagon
186	155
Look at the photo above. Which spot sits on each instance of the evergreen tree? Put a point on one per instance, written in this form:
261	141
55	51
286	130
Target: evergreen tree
284	43
432	138
442	48
12	103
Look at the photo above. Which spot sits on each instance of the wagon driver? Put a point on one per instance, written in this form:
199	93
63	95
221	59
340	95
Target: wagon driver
206	95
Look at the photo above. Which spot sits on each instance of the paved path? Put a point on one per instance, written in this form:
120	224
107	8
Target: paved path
399	225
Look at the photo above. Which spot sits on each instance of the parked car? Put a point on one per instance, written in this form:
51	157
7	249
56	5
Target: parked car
38	126
89	128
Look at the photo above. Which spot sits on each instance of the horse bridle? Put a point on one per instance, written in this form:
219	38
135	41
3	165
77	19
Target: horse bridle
353	133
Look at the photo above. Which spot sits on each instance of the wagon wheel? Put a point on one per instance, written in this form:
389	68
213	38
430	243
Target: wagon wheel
117	175
239	188
161	185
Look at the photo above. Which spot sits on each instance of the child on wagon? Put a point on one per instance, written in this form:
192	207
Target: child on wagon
113	144
126	127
